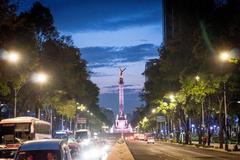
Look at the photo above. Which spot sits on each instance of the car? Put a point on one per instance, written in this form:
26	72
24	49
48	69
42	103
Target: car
45	149
150	140
7	153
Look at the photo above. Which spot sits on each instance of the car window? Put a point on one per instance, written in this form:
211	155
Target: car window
38	155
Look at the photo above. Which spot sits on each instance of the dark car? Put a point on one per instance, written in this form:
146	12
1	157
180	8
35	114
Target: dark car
47	149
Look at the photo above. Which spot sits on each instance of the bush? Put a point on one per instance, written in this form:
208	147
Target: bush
215	139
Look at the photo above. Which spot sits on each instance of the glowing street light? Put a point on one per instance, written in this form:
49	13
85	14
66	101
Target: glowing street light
81	107
154	110
13	57
40	78
224	56
172	98
197	78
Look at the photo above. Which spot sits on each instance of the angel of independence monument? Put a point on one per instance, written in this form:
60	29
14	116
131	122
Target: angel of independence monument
121	124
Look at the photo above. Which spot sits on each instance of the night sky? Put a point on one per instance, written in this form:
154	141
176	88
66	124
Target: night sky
111	34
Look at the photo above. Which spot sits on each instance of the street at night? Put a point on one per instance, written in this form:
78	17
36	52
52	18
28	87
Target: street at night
119	79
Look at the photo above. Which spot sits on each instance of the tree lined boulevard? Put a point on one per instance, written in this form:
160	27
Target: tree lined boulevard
190	97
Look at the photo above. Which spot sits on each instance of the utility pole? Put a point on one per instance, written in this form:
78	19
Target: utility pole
225	112
15	103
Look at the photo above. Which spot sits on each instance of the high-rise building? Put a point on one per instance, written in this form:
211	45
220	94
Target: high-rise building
183	16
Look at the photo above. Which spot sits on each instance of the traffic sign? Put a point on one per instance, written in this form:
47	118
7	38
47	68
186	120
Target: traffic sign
161	119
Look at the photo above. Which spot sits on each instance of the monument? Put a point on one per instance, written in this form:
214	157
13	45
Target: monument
121	124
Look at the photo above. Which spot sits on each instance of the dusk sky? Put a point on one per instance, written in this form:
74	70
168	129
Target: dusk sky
111	34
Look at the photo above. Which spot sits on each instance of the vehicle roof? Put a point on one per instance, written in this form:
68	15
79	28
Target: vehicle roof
21	120
82	130
43	144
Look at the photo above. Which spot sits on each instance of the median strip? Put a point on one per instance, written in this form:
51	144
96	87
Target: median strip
120	151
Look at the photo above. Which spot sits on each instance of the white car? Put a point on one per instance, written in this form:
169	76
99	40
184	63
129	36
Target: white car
150	140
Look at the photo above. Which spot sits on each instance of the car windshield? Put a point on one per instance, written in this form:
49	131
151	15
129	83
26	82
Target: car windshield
7	153
38	155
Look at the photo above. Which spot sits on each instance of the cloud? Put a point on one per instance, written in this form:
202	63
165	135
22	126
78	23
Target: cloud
125	37
89	15
97	74
104	62
110	56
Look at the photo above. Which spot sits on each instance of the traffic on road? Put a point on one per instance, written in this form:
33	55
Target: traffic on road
28	138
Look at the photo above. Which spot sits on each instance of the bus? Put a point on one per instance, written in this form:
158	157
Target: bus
20	129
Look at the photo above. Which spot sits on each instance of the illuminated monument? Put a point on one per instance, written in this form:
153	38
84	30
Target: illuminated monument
121	124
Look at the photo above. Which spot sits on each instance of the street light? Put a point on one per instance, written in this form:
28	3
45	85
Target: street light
13	57
224	56
172	98
197	78
203	118
40	78
153	110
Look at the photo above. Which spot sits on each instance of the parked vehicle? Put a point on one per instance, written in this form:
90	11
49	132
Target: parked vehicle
48	149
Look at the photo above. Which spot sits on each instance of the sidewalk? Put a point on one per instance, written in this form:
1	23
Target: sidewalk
120	151
216	146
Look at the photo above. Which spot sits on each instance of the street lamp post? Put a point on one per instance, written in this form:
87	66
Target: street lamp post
16	91
13	57
224	56
40	78
15	103
225	113
202	105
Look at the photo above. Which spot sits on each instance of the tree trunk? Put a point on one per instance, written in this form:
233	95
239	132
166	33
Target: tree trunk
187	132
238	133
209	135
199	133
221	138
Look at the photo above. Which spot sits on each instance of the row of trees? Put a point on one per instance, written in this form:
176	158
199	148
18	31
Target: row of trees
33	35
189	76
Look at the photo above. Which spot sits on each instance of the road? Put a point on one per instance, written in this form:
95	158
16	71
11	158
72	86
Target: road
166	151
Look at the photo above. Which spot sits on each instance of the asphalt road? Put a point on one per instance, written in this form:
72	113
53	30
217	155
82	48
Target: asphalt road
166	151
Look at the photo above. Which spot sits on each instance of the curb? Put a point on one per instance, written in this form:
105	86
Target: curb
214	149
120	151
